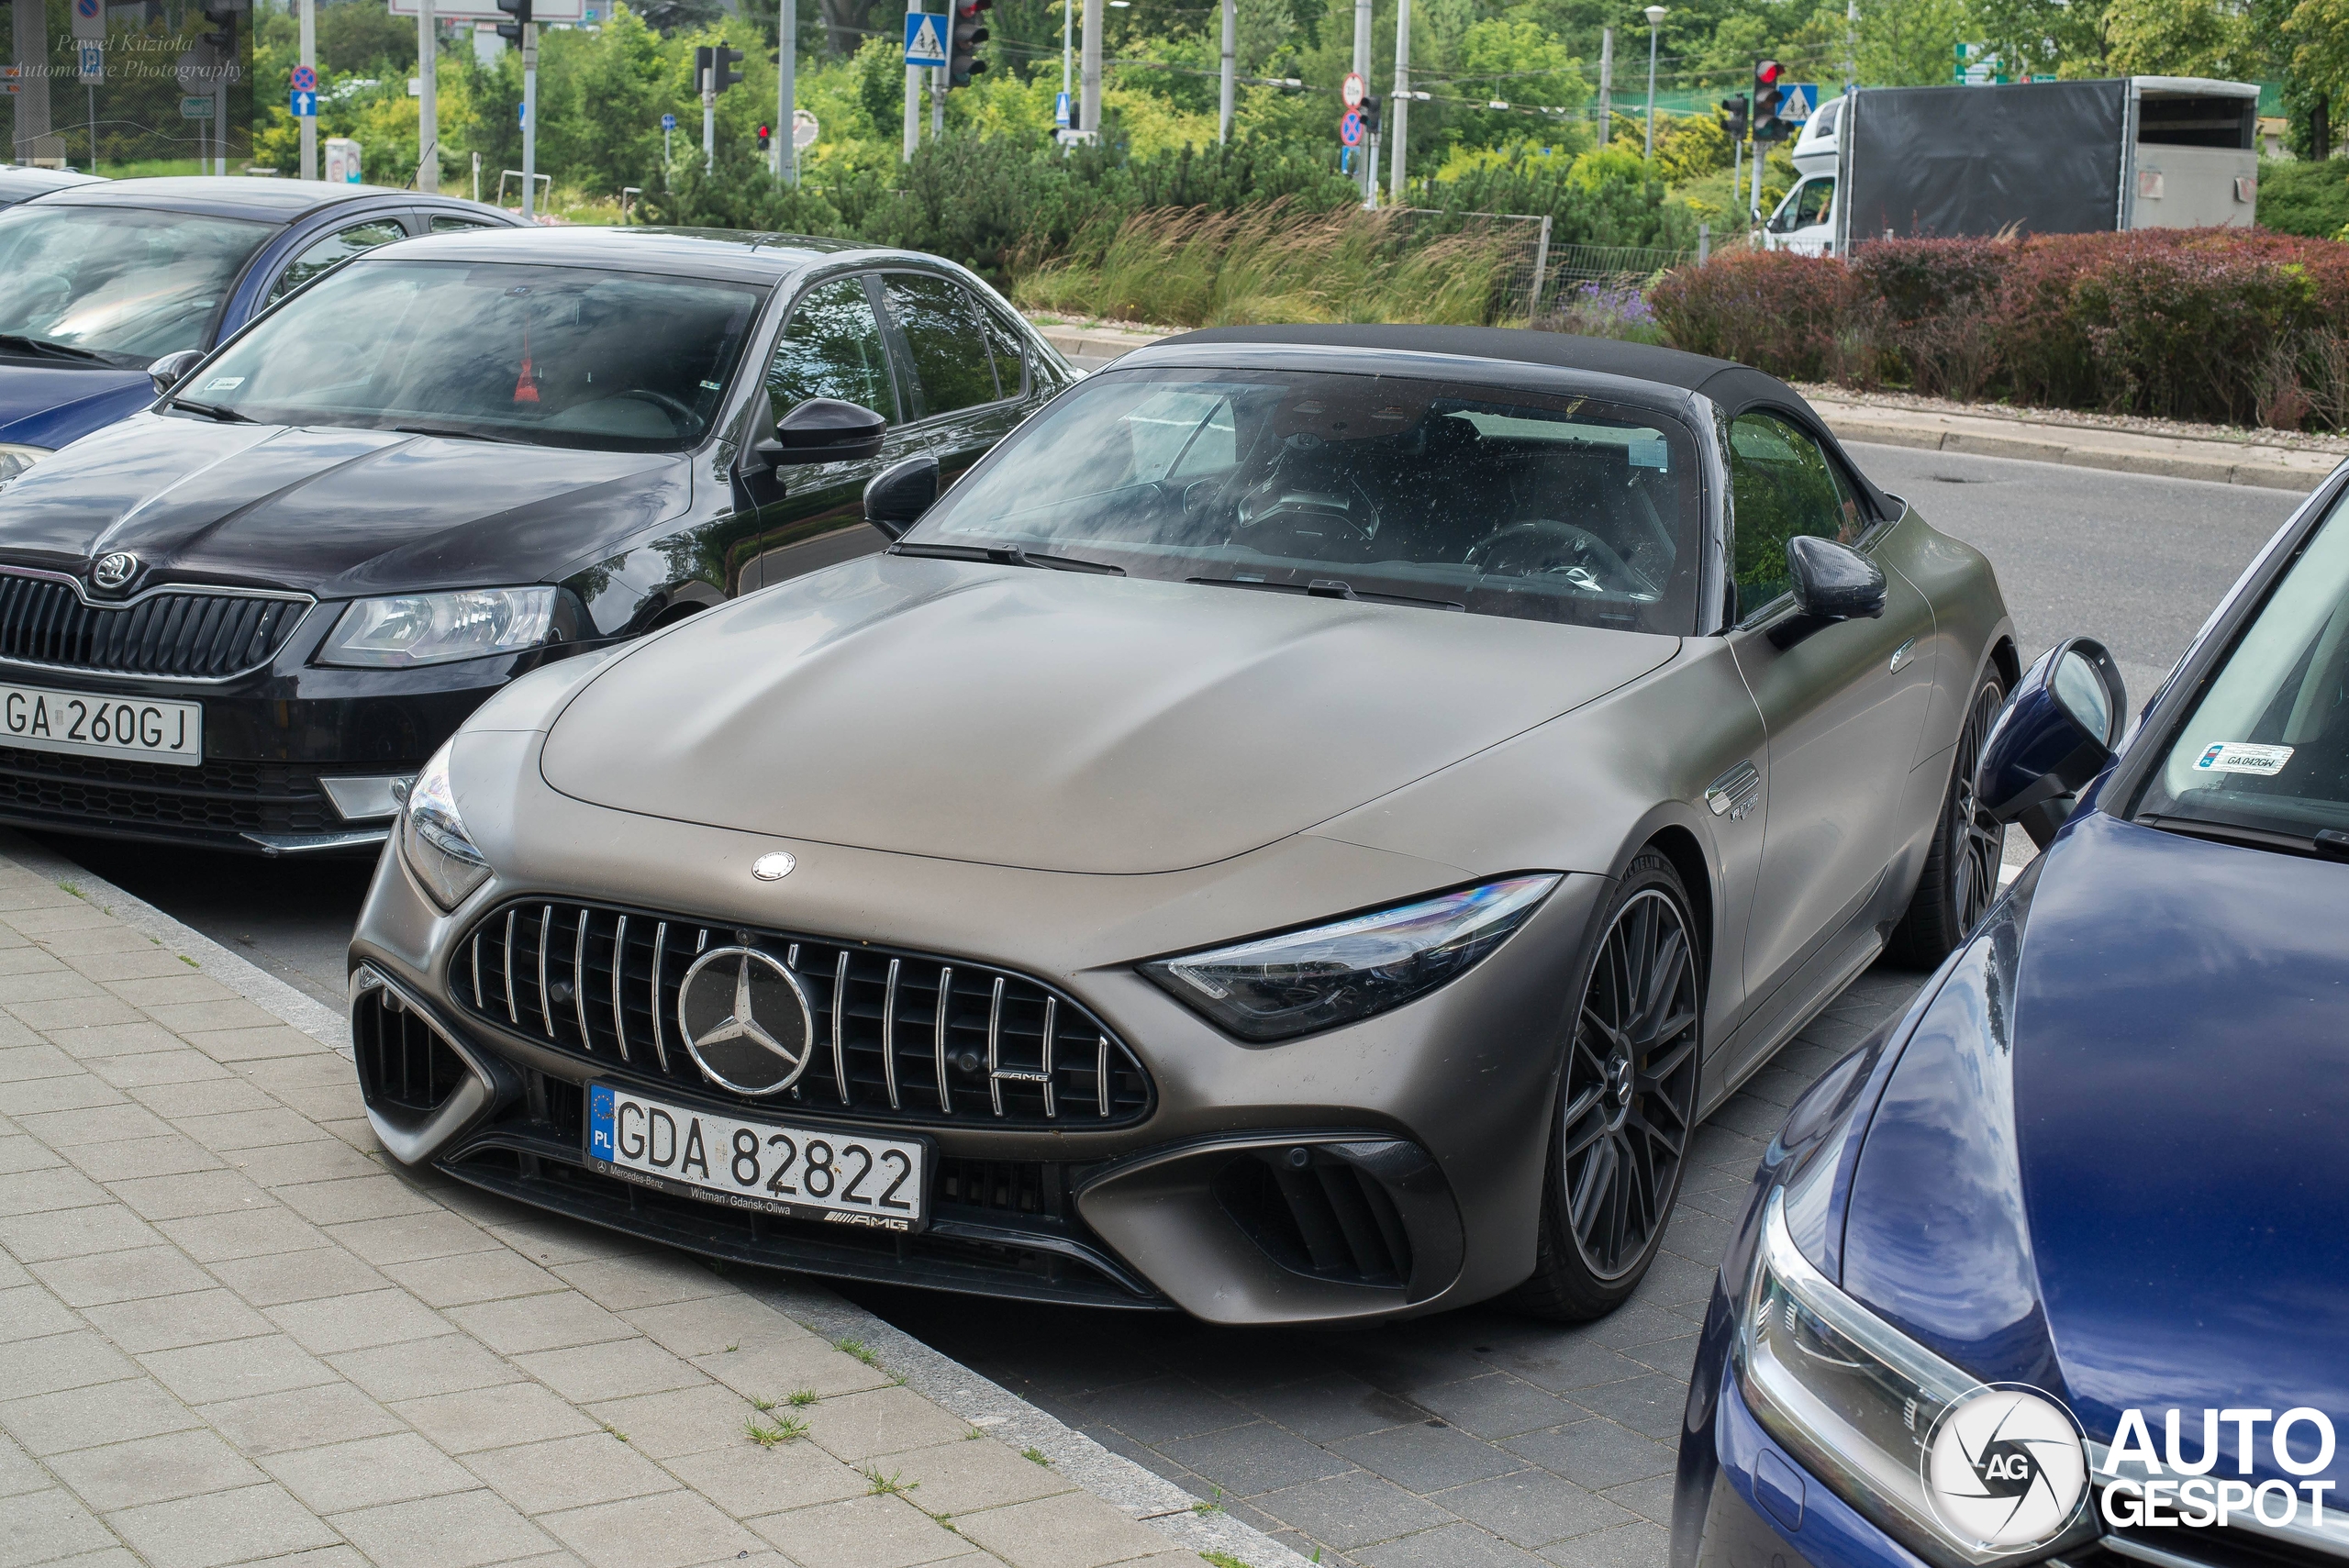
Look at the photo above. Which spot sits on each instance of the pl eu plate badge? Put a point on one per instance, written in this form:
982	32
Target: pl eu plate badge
599	1122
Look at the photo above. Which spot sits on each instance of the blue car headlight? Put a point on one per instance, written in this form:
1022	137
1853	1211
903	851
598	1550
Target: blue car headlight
1276	987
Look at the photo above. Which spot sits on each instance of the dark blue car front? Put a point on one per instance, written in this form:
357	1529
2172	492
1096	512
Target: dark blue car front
2056	1266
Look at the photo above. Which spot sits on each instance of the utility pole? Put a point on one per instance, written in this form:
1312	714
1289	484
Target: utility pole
1229	65
310	59
33	137
1400	130
1362	69
1655	20
1089	68
708	121
428	99
1851	44
1606	84
913	96
1068	61
530	117
786	91
937	102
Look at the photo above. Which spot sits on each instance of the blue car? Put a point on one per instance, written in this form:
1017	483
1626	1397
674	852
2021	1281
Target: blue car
100	278
2054	1268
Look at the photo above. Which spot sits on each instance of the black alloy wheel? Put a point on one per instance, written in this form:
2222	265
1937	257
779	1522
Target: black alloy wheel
1960	879
1628	1102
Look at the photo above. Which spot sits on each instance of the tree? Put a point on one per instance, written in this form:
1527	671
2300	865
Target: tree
2178	37
1910	43
2041	37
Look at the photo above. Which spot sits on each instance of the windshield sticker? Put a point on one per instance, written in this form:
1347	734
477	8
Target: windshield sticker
2242	757
1653	454
224	383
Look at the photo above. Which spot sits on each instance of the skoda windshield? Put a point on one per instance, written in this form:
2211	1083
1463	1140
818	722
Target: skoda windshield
549	355
1449	496
121	285
2266	746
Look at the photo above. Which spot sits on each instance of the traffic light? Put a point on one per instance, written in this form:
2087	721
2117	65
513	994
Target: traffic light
1768	97
962	61
1738	113
521	11
766	136
713	67
222	15
727	59
1369	112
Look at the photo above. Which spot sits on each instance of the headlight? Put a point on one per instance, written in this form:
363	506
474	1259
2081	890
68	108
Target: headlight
1278	986
432	836
432	629
1852	1398
14	461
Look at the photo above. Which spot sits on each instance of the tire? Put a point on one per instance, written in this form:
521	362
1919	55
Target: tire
1961	875
1627	1102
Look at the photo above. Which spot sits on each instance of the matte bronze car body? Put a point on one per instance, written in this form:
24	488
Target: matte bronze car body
1056	776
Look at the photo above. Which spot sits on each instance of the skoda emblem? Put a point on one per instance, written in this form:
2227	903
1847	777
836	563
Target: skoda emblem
746	1020
774	867
113	571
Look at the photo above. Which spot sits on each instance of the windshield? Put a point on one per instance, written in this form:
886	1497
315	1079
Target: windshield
2268	747
554	356
1462	497
124	284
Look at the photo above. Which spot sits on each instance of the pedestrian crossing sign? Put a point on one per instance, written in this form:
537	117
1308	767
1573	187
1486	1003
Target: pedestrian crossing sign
925	40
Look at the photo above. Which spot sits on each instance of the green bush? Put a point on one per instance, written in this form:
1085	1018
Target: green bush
2309	197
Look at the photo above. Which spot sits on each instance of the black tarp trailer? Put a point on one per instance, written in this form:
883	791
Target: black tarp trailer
2046	158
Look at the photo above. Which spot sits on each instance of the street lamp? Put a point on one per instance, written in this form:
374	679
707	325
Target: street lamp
1655	20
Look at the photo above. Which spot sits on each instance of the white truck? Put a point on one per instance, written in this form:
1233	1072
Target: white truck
2034	158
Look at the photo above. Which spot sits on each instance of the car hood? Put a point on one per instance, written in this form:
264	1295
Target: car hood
49	404
1057	722
330	511
2168	1139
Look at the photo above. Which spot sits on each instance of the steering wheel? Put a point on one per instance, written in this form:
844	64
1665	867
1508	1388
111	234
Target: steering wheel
680	414
1544	547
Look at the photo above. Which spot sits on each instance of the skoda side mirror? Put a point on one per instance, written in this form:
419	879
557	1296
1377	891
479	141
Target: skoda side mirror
172	369
1832	583
900	494
823	429
2058	732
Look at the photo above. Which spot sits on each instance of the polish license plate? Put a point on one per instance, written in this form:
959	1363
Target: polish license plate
92	724
825	1175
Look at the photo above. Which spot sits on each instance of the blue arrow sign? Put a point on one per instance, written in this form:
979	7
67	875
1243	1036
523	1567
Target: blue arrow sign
522	114
305	106
668	122
925	42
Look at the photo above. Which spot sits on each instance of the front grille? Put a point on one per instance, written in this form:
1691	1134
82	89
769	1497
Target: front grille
2231	1546
184	634
999	1049
402	1062
220	797
1324	1217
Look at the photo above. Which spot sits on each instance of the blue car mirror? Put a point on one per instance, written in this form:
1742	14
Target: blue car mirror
2055	734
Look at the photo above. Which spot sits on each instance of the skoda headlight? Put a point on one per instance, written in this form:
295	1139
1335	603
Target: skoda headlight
1852	1398
433	628
1274	987
434	841
14	461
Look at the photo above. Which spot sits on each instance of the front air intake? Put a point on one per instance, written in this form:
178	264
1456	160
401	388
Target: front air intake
1317	1213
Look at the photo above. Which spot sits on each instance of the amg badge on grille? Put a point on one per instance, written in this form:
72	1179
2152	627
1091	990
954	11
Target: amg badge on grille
113	571
746	1020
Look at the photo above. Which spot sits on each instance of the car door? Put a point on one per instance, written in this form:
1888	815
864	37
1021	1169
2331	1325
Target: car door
961	406
1843	707
812	515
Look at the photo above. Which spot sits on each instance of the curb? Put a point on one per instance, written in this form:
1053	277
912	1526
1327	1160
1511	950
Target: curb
1141	1494
2217	463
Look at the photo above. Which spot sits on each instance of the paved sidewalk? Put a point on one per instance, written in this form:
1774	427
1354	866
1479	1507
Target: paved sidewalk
228	1334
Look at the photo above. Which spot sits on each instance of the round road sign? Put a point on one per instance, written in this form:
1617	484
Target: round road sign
1353	91
803	130
304	79
1350	128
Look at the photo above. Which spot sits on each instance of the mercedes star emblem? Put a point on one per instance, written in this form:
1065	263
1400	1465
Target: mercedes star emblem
774	867
746	1020
113	571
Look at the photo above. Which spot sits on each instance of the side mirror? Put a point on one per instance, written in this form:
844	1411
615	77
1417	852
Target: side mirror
900	494
172	369
1832	583
823	429
2057	733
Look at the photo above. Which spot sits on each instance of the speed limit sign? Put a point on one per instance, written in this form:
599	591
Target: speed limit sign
1353	91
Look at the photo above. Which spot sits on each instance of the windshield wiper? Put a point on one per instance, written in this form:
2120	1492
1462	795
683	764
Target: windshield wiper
209	411
43	347
2325	843
1327	588
455	435
1009	555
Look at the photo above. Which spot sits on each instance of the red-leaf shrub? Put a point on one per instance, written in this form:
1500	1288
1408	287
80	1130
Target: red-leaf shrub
2238	325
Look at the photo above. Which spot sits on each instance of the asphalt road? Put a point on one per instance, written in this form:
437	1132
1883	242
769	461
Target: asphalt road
1479	1437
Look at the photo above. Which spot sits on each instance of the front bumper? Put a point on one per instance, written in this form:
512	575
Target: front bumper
1417	1139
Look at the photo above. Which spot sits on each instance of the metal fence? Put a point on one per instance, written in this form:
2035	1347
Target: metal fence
1540	276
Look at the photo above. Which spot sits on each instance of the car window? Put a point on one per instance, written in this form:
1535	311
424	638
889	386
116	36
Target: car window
1781	485
339	246
1812	204
1009	351
443	224
1447	495
122	282
833	348
940	322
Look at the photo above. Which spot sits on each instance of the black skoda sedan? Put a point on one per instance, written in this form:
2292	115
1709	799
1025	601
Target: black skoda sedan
244	617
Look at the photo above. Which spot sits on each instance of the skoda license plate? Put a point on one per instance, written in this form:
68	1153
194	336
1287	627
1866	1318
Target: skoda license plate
829	1174
91	723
